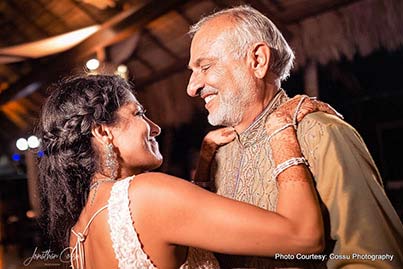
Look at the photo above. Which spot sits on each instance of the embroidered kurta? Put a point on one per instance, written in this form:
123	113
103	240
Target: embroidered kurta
358	216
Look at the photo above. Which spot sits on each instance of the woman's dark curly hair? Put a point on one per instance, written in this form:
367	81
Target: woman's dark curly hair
74	106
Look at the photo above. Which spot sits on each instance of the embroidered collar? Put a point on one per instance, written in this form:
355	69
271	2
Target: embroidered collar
256	131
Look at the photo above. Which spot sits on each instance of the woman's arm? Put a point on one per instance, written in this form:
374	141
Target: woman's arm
210	143
171	206
228	226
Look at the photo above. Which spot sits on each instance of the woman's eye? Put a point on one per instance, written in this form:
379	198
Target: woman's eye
140	113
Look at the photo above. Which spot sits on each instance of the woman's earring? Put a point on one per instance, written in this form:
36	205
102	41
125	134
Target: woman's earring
111	161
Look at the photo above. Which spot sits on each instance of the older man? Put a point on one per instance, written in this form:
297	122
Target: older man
238	60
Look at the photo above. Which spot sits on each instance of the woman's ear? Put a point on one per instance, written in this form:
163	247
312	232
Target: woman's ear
102	134
259	57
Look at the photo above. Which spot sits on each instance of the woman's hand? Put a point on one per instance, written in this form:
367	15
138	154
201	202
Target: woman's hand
294	110
211	142
219	137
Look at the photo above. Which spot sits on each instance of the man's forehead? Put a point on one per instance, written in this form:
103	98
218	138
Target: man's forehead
202	41
207	45
200	53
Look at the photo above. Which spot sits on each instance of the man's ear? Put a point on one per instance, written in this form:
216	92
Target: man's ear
102	134
259	57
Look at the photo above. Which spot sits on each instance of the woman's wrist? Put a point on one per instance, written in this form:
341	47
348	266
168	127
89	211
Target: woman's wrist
285	145
208	148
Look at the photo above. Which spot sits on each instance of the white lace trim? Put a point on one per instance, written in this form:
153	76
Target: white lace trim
125	241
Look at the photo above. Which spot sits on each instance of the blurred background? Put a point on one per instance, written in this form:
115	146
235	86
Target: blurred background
349	54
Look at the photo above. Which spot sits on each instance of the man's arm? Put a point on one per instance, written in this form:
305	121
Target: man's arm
362	220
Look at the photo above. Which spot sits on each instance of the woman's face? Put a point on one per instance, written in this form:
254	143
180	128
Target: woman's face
134	137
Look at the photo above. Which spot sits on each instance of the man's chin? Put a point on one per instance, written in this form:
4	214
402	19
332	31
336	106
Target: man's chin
213	120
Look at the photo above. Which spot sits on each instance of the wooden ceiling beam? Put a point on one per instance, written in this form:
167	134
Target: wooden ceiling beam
8	28
160	44
16	12
15	118
104	14
145	63
86	11
180	65
53	15
181	11
118	28
133	54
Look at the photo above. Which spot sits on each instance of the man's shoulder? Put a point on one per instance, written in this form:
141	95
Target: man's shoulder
319	127
322	121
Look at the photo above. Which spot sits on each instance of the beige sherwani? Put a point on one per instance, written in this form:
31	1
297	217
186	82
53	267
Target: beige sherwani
358	216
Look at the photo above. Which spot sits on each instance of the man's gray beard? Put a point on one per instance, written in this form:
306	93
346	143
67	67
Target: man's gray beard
230	110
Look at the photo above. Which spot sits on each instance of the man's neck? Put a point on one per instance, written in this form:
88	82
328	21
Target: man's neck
255	108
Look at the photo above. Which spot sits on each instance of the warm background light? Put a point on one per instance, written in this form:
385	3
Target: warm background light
51	45
92	64
22	144
122	68
33	142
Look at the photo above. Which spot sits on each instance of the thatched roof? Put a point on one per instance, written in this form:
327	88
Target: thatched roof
359	28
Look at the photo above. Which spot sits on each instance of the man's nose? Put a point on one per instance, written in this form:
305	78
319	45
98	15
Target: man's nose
195	85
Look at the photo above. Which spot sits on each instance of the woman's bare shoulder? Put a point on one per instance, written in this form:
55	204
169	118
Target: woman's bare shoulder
158	188
155	181
156	199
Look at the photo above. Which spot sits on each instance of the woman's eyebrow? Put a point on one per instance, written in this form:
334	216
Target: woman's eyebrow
138	107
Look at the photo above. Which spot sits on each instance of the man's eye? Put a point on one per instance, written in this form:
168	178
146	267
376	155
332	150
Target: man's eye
205	67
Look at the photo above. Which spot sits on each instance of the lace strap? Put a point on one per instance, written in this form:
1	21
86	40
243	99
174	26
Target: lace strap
77	253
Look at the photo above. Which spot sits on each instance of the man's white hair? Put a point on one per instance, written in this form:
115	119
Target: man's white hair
252	26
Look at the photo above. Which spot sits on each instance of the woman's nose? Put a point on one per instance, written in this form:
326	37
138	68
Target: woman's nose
155	130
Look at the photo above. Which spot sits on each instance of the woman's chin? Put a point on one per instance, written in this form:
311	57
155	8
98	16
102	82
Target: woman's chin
158	162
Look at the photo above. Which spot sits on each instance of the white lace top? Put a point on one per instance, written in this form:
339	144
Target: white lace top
125	241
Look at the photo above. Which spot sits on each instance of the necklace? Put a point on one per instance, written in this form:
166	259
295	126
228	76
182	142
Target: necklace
95	186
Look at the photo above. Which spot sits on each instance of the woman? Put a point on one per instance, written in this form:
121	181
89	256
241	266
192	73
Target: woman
97	198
